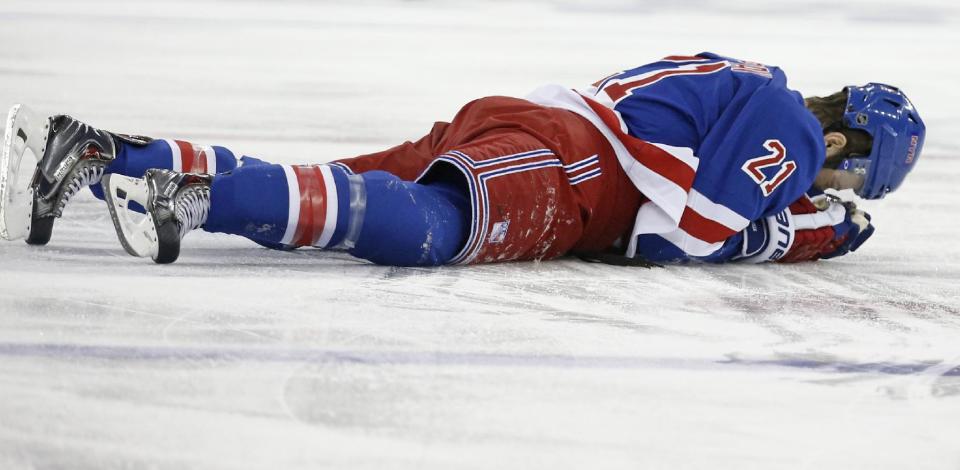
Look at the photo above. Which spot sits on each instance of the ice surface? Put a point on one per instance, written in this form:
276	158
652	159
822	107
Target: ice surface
240	357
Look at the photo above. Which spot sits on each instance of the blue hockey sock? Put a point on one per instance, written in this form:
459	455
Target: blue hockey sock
135	160
374	215
282	206
411	224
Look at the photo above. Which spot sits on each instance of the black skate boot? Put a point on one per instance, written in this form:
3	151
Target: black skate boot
176	203
75	156
62	155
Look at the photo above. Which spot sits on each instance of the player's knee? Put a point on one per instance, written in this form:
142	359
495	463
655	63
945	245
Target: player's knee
410	224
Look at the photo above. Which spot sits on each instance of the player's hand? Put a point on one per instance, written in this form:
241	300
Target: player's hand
825	228
812	228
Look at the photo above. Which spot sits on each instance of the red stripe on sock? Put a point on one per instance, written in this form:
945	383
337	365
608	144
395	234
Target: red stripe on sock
313	205
305	213
186	155
201	163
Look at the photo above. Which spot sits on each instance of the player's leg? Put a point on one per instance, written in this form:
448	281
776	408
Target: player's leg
527	182
374	215
135	158
503	196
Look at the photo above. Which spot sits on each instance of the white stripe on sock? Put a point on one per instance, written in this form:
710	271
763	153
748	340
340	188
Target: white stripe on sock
211	159
177	161
293	214
330	224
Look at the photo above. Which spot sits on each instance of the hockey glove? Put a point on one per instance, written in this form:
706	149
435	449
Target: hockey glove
812	228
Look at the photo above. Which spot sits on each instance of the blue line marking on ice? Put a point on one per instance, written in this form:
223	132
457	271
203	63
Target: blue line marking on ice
438	358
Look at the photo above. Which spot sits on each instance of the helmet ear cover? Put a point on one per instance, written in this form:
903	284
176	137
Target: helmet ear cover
891	120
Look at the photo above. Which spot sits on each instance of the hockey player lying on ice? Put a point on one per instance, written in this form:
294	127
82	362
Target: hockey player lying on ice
688	158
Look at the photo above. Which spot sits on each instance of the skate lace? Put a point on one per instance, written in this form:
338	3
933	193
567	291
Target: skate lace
192	207
85	176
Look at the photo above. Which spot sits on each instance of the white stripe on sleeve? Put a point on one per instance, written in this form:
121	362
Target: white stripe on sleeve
691	245
716	212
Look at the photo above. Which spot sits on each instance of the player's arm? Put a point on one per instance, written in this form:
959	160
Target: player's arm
812	228
756	170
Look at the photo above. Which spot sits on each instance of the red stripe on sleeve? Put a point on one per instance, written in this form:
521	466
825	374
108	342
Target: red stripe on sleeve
678	58
703	228
619	90
650	156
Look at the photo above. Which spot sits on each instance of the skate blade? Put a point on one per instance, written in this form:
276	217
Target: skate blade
24	141
137	232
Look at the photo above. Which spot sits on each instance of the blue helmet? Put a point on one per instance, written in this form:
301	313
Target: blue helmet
889	117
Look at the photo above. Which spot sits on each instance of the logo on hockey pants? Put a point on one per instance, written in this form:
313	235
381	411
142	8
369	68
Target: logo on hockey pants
776	158
499	232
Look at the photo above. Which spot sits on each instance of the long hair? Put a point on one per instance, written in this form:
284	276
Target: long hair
829	111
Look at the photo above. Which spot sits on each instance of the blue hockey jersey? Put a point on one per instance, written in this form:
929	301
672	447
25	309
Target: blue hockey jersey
712	142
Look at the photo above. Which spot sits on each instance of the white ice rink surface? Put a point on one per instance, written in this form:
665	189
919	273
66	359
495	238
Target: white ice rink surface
240	357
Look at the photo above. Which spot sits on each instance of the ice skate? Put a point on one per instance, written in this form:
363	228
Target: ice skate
24	142
175	204
45	162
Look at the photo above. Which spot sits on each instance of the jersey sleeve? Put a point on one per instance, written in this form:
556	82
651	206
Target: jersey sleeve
751	167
